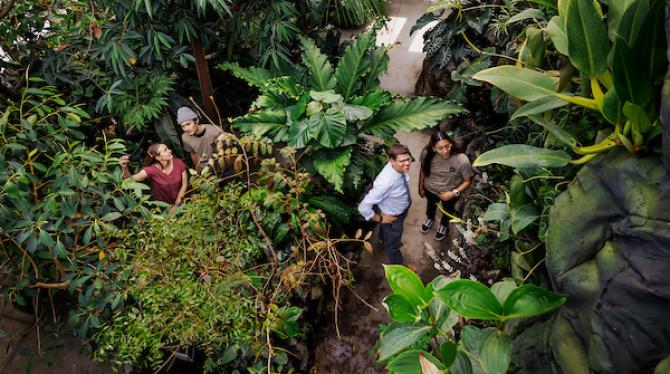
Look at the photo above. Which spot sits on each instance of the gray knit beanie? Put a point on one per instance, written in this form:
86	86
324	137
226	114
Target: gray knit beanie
185	114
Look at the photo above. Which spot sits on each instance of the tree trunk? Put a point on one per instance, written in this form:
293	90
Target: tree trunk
205	80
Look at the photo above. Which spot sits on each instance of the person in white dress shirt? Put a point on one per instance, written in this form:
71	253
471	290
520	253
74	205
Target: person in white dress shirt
390	193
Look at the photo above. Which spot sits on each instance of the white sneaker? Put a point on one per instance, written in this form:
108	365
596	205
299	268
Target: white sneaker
426	225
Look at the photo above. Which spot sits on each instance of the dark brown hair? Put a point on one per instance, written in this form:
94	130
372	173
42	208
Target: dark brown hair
437	136
396	150
151	155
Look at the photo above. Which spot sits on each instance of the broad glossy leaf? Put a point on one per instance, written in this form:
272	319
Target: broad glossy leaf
612	106
652	47
448	351
502	289
401	310
539	106
353	65
556	31
414	362
523	156
631	82
373	99
301	133
266	123
632	22
415	114
533	52
560	134
588	44
332	164
355	113
462	364
522	83
320	71
615	13
329	127
638	115
470	299
496	212
328	97
405	282
397	337
495	351
379	61
529	300
523	216
529	13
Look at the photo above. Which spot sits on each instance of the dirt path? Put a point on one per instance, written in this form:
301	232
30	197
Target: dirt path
358	322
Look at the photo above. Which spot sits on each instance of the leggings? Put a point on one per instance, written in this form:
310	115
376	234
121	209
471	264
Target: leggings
431	207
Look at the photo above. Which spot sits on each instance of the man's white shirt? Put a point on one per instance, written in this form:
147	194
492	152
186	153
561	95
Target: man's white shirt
388	192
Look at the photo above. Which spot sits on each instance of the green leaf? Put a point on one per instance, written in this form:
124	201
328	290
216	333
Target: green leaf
631	82
616	10
612	106
332	166
588	44
355	113
397	337
546	3
632	22
529	13
166	130
328	97
529	300
2	333
522	83
353	64
495	351
533	53
266	123
321	72
416	114
302	132
638	116
496	212
410	363
502	289
653	46
538	106
560	134
373	100
401	310
111	216
379	61
462	364
405	282
523	216
471	300
254	76
336	209
328	128
523	156
448	351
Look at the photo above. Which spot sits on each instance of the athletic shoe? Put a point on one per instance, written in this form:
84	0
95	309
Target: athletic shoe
426	225
441	232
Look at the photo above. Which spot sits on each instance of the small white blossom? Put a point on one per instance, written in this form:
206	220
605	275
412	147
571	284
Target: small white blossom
455	242
447	267
454	257
480	221
467	234
437	266
473	278
461	251
485	177
220	259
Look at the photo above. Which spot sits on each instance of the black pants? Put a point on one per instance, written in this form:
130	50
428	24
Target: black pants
431	207
391	234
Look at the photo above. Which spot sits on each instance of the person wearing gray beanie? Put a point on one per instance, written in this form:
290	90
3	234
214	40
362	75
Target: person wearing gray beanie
198	139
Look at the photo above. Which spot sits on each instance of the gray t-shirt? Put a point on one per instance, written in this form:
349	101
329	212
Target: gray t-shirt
203	144
446	174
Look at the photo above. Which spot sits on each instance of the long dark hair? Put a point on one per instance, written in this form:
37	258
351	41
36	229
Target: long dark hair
151	155
437	136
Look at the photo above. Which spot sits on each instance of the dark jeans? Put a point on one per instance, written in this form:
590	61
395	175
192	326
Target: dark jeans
391	234
431	207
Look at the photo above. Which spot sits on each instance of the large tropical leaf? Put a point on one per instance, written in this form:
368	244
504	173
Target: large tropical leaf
374	99
328	127
321	72
300	133
379	62
631	82
522	83
588	44
416	114
353	65
266	123
523	156
332	164
397	337
255	76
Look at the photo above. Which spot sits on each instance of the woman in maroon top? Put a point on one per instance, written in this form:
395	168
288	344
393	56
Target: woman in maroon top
166	174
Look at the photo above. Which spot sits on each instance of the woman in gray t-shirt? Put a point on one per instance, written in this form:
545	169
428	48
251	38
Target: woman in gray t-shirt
443	177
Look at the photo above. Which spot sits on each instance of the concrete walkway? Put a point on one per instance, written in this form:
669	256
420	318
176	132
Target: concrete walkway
354	352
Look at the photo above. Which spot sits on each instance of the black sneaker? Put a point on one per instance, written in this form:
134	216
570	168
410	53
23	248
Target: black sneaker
426	225
441	232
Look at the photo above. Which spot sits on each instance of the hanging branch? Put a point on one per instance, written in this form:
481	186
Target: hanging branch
5	10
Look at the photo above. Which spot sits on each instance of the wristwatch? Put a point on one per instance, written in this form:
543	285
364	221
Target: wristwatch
456	193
